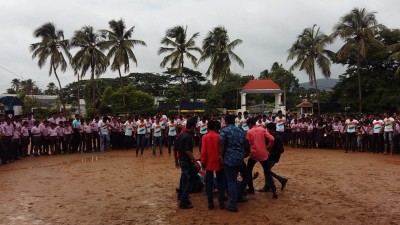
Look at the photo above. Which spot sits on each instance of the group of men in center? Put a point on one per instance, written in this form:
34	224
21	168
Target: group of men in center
223	154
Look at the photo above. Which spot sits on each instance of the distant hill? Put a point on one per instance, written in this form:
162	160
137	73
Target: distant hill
323	84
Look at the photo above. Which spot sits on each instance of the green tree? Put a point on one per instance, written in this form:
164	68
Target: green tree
90	56
309	51
179	46
218	48
394	49
120	47
139	101
151	83
52	45
10	91
16	85
357	29
29	87
51	89
380	87
286	80
191	79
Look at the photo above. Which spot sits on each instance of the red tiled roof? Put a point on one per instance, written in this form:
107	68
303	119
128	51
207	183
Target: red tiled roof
261	85
304	105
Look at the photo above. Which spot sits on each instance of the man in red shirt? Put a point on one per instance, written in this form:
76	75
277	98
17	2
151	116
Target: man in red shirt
211	161
259	152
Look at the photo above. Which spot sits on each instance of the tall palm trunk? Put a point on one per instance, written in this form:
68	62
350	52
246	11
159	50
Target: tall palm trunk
123	91
180	74
93	94
61	92
359	82
79	95
316	91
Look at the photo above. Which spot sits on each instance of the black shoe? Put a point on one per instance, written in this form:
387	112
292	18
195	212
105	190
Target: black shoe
242	199
250	191
274	195
265	189
230	209
185	206
210	207
283	183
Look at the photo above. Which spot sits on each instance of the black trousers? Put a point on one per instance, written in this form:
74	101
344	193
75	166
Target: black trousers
76	140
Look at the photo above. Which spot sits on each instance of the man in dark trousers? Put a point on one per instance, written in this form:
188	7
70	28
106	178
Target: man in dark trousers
76	139
232	145
188	164
274	156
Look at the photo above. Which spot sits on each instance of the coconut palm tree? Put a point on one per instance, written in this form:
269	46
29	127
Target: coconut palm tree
357	29
309	51
28	86
90	56
179	46
219	50
16	85
120	47
395	55
53	46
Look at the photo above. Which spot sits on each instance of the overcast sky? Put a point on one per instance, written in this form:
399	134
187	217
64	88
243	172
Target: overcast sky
267	27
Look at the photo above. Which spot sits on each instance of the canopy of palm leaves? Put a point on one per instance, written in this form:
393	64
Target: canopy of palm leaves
52	45
218	48
179	47
90	55
120	45
310	50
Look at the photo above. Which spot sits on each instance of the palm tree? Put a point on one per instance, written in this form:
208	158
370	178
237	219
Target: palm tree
52	45
90	56
219	50
395	55
179	47
120	47
28	86
16	84
309	51
357	29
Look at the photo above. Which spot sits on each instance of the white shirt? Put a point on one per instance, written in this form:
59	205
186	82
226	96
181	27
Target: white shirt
128	128
103	127
202	127
156	130
172	129
351	125
377	125
280	124
388	122
141	127
244	125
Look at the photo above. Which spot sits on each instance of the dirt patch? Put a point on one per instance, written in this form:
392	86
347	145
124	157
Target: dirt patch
325	187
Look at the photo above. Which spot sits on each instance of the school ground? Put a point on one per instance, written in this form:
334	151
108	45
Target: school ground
325	187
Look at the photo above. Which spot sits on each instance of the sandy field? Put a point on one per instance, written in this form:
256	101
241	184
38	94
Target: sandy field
325	187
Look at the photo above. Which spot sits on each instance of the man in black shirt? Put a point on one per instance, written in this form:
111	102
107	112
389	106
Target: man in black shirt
274	156
188	164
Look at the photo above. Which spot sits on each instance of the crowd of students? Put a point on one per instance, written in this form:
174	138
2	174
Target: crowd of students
375	133
22	137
